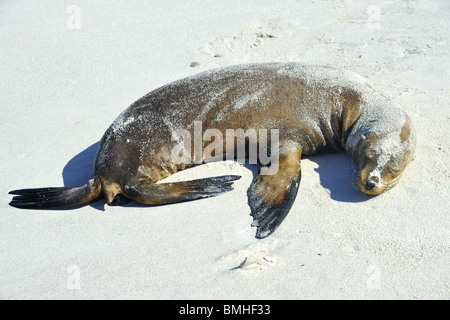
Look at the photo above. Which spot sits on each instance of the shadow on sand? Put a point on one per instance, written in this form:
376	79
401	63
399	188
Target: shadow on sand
80	169
337	174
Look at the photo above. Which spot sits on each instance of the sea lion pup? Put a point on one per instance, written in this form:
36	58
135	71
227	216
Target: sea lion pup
315	109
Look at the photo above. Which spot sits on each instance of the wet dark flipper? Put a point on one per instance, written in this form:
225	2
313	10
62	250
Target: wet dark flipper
165	193
46	198
270	197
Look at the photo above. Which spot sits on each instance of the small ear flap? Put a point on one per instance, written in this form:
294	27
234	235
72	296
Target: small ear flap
368	135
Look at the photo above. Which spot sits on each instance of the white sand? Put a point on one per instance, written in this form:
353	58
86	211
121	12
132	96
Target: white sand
61	88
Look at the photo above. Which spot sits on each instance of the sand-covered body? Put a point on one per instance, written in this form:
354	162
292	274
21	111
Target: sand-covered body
315	108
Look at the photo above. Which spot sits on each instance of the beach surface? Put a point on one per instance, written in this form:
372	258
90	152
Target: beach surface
69	68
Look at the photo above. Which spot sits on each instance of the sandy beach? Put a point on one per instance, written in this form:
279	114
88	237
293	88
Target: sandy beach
69	68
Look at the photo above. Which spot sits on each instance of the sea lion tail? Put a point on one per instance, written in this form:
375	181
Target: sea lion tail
64	197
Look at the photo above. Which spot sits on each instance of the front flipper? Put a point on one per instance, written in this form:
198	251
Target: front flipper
165	193
270	197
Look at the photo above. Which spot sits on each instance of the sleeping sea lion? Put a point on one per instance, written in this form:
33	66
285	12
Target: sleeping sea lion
314	109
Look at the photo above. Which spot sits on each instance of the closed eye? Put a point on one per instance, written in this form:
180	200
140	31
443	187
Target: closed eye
369	154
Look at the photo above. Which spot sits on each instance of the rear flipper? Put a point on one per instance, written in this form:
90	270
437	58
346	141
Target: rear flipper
46	198
270	197
165	193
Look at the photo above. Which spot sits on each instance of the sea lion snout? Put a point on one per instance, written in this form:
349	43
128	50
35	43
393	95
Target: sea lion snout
370	185
372	182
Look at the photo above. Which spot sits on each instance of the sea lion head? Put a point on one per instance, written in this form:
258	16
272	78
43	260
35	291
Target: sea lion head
383	157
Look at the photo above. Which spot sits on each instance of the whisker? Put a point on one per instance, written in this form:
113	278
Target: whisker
392	184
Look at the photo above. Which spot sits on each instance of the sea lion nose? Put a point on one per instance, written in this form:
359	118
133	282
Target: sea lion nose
372	182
